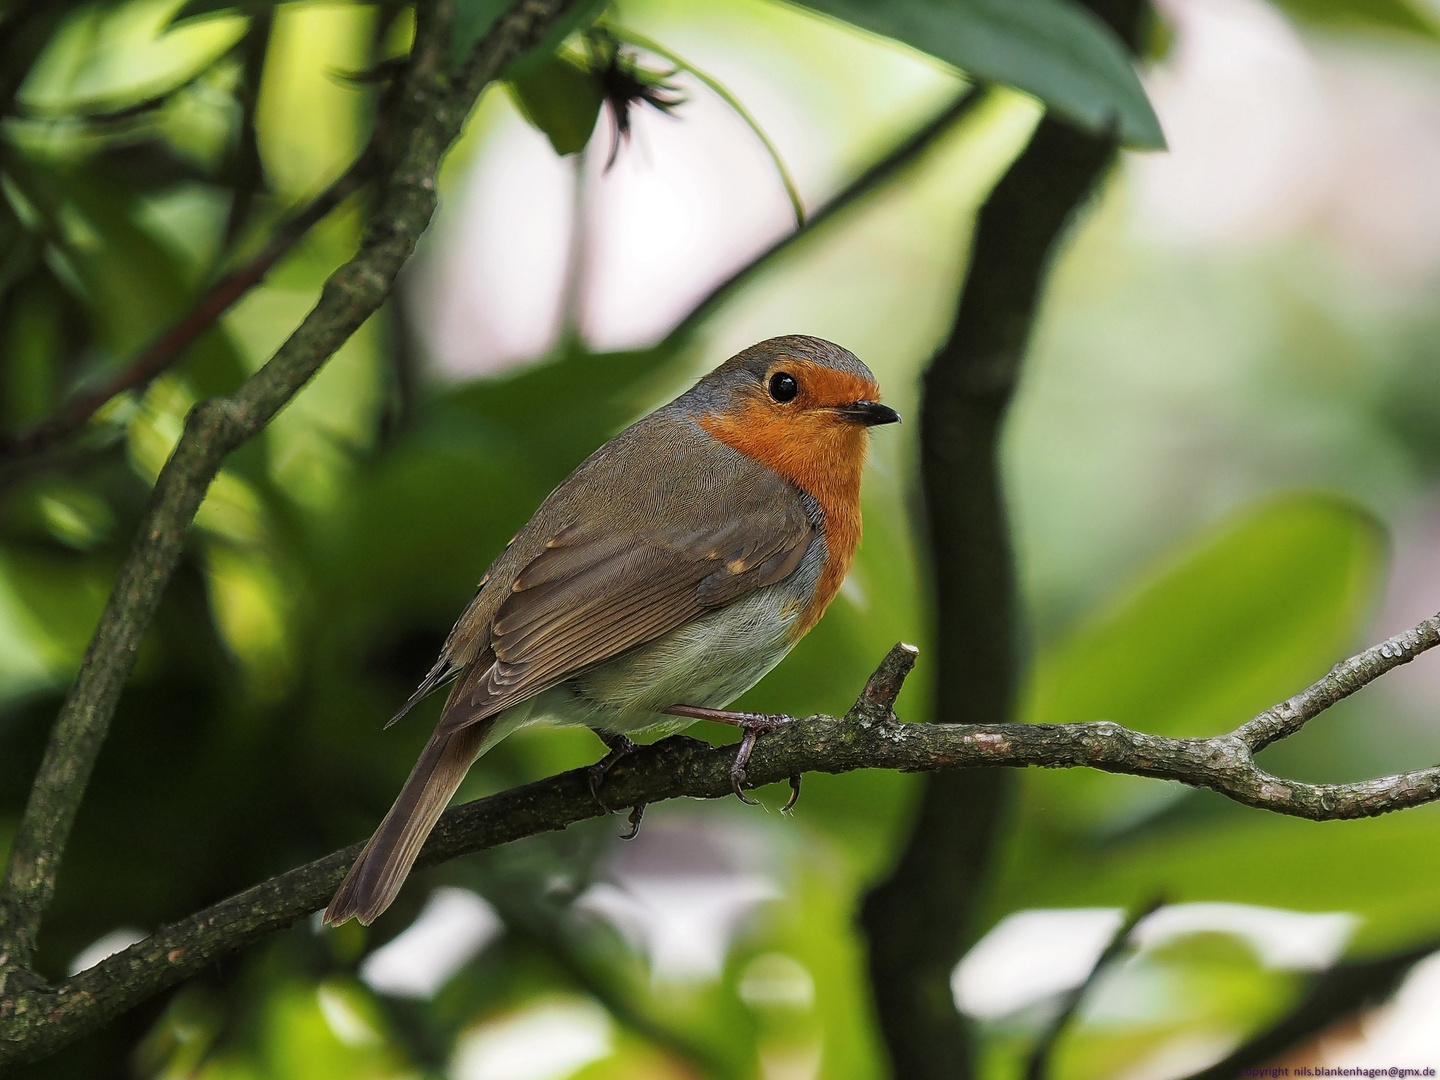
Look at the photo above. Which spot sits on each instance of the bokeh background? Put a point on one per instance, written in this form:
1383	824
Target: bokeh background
1222	470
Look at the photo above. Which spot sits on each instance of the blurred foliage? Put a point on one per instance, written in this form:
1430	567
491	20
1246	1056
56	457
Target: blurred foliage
147	146
1384	15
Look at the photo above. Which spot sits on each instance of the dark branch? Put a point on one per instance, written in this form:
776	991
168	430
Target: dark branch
924	916
921	919
36	1020
247	172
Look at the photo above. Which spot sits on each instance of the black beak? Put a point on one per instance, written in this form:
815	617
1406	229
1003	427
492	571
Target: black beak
869	413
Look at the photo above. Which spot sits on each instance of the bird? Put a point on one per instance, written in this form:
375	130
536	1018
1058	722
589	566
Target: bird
664	577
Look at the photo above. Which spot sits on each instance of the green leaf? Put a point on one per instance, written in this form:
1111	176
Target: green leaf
473	19
133	284
1053	49
62	596
1391	15
559	99
579	17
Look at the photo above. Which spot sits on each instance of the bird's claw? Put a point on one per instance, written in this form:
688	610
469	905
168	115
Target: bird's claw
595	775
794	795
636	813
620	748
754	725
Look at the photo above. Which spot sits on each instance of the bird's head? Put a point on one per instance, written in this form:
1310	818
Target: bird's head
801	405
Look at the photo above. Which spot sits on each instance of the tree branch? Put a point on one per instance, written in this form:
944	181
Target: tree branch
431	110
37	1020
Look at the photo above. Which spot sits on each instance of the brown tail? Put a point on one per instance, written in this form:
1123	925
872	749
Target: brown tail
383	866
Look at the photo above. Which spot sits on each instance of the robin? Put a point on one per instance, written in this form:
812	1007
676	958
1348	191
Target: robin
661	580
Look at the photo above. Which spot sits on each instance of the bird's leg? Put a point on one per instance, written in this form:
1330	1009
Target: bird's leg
753	725
620	748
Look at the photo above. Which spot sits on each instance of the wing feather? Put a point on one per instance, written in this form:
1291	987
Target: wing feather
585	599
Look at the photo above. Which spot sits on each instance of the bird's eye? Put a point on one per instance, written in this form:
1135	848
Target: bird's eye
783	386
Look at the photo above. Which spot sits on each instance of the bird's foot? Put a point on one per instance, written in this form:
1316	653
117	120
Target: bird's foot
636	813
620	749
753	725
794	795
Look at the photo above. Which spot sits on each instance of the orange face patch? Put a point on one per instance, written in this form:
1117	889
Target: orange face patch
818	451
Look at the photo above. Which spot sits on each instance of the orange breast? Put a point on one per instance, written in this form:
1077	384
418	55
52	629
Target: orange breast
819	453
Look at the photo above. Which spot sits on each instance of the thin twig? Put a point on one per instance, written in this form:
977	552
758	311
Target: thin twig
876	702
247	172
873	177
170	346
1346	677
1038	1067
632	37
36	1020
